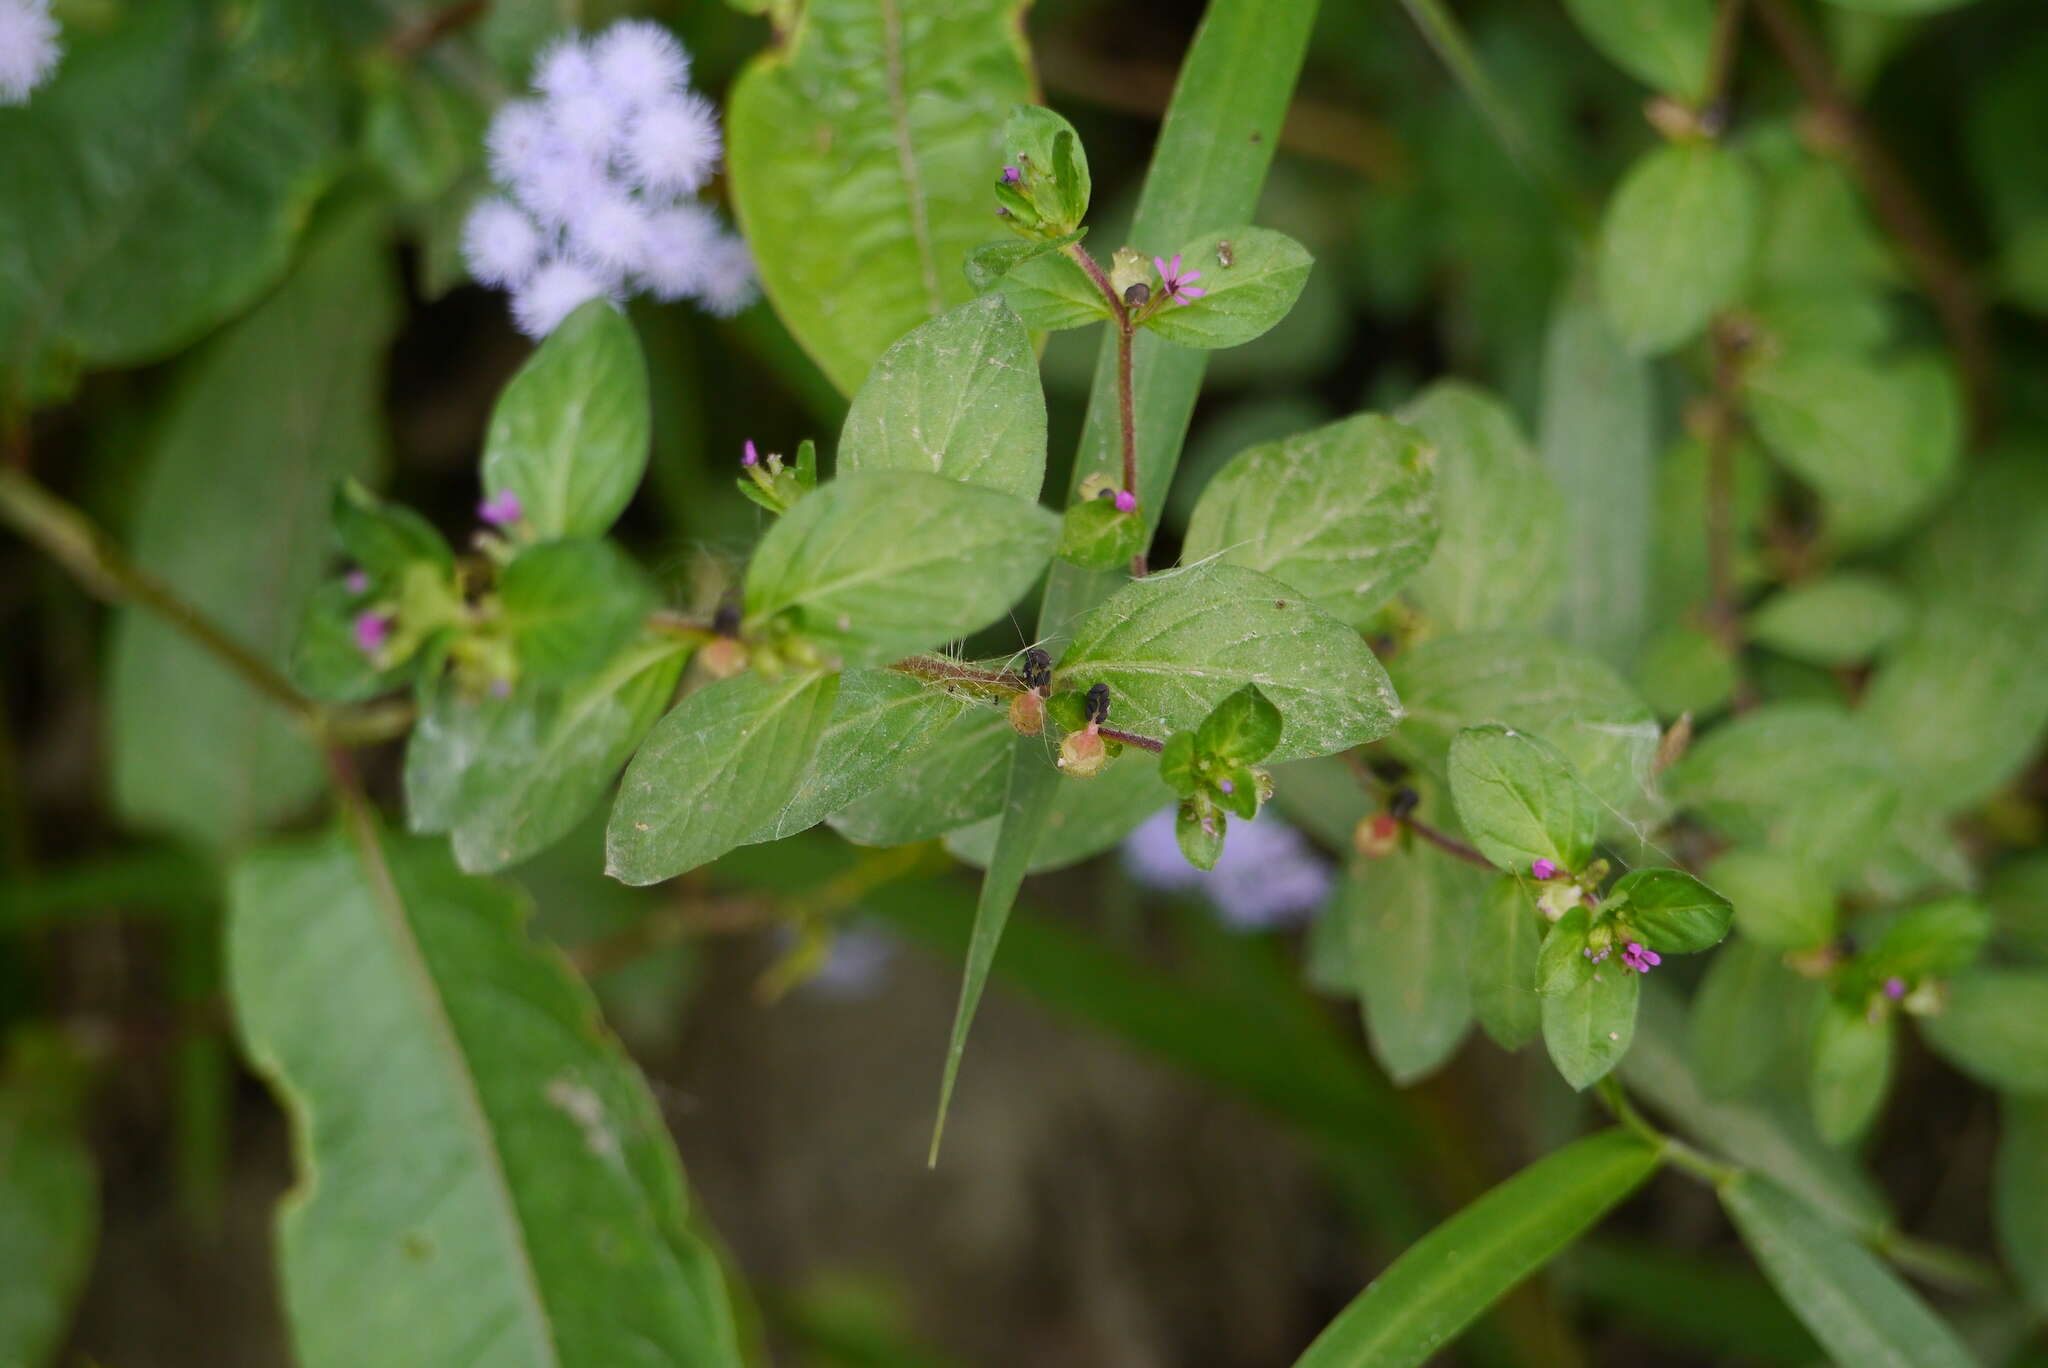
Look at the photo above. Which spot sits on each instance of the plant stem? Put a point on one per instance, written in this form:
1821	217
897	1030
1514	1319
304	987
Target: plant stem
1721	64
1679	1154
1950	286
1730	339
1133	739
1448	844
945	669
1126	411
416	37
1950	1268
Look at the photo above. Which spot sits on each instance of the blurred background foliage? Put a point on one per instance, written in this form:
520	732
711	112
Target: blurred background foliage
1175	1145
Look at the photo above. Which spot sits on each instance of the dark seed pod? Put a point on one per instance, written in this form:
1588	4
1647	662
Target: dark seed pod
1037	670
1138	296
1096	705
726	621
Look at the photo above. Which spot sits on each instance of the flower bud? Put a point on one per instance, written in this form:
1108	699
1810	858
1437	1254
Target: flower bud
1126	269
723	657
1027	714
1376	836
1082	754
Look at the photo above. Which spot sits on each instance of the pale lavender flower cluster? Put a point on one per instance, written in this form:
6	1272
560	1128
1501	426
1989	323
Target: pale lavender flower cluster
1268	876
28	48
601	171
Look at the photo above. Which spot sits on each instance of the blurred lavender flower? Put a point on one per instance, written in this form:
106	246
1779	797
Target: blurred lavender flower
599	173
28	48
856	966
1267	878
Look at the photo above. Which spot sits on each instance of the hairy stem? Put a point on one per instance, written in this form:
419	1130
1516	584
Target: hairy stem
1450	845
1126	410
1133	739
1949	284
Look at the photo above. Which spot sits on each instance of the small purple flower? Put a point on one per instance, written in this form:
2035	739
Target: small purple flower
1175	281
749	456
1226	786
1011	175
1894	988
1596	958
1125	501
1543	870
357	581
500	510
1002	212
372	630
1639	959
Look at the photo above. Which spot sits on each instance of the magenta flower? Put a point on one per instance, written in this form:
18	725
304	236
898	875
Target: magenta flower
1125	501
357	581
372	630
1543	869
1639	959
1175	281
1011	175
749	456
1895	988
500	510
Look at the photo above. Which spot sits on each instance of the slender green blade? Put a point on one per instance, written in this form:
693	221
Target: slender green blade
1442	1283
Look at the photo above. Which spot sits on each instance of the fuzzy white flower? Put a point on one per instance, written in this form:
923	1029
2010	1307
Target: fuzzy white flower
522	137
728	284
679	239
1268	875
672	147
610	232
640	62
590	123
553	293
557	189
565	68
500	243
28	48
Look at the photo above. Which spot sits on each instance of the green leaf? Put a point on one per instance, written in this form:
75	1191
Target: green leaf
507	778
1684	668
1988	548
1200	840
1087	817
326	662
50	1194
1995	1028
1531	683
1502	965
1839	619
1806	779
1243	299
959	397
1442	1283
1673	912
571	605
1344	513
1408	920
1779	900
1051	291
384	538
1052	164
1242	730
885	727
157	187
570	434
861	156
1899	6
987	264
1667	44
1676	243
878	564
1094	534
1598	439
2019	1194
958	781
1879	441
1520	800
1589	1009
474	1149
1748	1007
2018	897
1851	1069
1855	1306
262	423
1500	554
1932	940
718	768
1174	645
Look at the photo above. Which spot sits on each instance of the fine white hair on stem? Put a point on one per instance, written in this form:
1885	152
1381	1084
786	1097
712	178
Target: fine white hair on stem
553	293
672	146
28	48
640	61
500	243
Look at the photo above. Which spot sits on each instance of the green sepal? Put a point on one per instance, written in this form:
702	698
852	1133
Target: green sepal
1199	828
1095	536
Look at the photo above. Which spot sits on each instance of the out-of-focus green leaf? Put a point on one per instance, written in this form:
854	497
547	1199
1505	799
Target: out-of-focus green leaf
157	186
1779	900
570	434
1502	965
1088	817
862	152
1440	1285
506	778
1675	245
1174	645
717	769
1499	558
1343	513
1899	6
1988	547
2019	1194
1877	440
476	1151
1241	300
263	423
1684	668
1520	800
1664	43
1598	439
881	563
1932	940
2017	894
1674	911
1851	1069
1693	1303
571	604
1589	1007
1749	1007
957	781
1839	619
959	397
1995	1028
49	1216
1855	1306
1409	920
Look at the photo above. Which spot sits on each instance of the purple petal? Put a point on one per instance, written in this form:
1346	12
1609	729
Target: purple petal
1191	275
1190	292
1164	274
1176	265
748	455
1543	869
